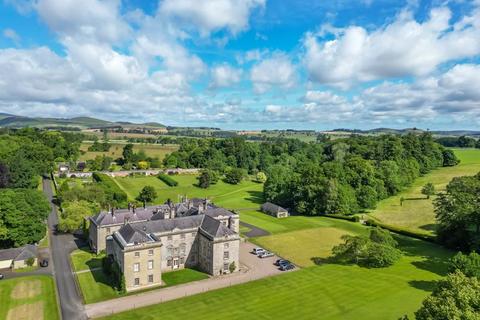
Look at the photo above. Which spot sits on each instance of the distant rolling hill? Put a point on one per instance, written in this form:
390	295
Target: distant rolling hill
14	121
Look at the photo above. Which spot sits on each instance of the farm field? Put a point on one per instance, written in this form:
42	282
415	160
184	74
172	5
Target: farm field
247	194
151	150
417	213
28	298
324	291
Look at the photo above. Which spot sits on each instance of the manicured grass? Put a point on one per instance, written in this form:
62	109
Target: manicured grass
83	259
116	149
174	278
247	194
96	286
38	293
417	212
293	223
327	291
292	245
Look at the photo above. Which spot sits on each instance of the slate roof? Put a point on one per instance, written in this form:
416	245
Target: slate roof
214	212
134	235
273	208
140	232
107	218
215	228
18	254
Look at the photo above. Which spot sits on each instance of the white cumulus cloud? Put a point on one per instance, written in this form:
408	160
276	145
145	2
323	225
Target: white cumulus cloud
275	71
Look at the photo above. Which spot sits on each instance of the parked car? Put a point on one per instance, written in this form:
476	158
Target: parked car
44	263
286	267
265	254
257	251
280	262
2	276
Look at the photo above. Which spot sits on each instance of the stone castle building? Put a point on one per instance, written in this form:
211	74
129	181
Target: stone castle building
146	242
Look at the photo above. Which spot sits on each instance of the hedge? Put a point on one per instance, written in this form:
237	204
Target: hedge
342	217
112	190
402	231
167	179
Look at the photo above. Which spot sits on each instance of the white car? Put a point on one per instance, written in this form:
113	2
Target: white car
265	254
258	251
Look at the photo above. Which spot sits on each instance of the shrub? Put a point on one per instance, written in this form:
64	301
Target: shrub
232	267
30	261
167	179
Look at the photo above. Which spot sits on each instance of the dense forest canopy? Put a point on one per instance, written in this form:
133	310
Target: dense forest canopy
25	155
341	176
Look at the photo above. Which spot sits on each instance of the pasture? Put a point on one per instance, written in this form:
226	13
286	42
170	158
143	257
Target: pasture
28	298
417	212
246	194
151	150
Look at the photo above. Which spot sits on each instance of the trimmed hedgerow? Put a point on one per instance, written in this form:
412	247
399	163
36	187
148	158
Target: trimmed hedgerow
167	179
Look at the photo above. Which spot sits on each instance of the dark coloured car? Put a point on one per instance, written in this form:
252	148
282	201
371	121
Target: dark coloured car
286	267
280	262
44	263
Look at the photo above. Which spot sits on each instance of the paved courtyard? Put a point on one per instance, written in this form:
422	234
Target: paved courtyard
252	268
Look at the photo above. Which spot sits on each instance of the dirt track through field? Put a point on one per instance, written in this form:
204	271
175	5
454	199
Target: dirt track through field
29	311
26	289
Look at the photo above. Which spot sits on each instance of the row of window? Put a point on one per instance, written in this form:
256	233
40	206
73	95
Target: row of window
137	253
136	281
136	266
182	236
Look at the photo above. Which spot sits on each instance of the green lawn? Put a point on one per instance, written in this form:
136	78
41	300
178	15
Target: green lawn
417	212
247	194
326	291
83	259
96	286
293	223
31	297
291	245
174	278
116	149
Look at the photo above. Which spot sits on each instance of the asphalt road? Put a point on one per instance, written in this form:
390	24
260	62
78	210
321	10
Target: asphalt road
61	245
254	231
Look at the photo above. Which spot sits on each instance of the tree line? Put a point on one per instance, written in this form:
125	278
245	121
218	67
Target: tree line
340	176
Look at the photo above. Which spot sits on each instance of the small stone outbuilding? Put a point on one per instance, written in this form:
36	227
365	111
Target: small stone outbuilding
274	210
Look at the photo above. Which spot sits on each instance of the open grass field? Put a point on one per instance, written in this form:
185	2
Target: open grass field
28	298
247	194
151	150
417	212
324	291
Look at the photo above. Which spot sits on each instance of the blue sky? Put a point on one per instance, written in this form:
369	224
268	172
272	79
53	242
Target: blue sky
251	64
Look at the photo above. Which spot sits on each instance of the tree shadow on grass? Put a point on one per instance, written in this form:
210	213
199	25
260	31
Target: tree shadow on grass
101	277
329	260
424	285
429	227
431	257
255	197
